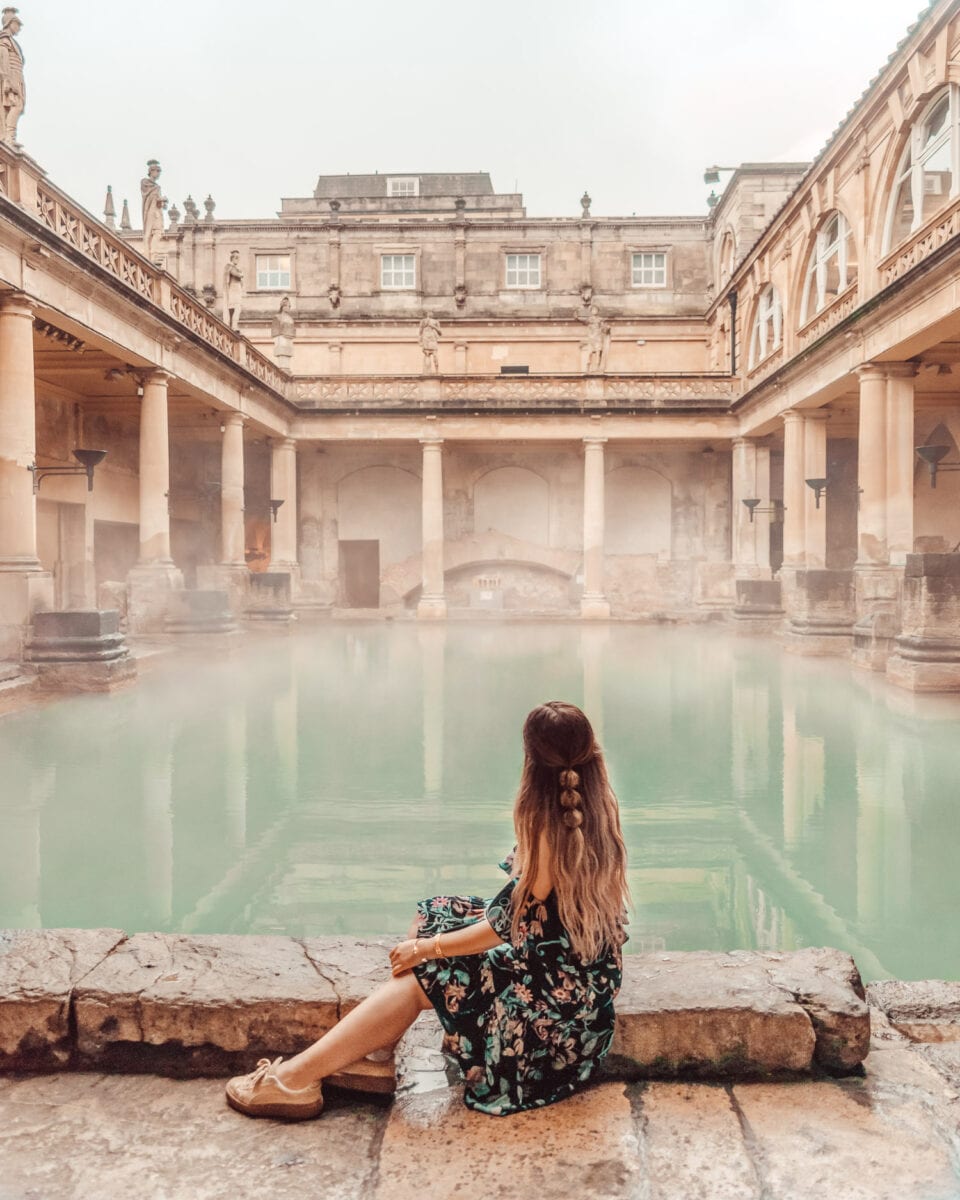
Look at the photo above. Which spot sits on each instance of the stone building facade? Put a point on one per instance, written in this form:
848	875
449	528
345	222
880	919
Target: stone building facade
403	392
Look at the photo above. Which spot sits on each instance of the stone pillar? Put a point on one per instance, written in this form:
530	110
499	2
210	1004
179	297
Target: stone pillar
814	467
155	576
594	604
24	587
900	461
432	649
232	531
751	539
872	469
154	472
433	604
794	540
283	486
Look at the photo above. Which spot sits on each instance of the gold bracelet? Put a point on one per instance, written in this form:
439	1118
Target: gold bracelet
438	951
416	948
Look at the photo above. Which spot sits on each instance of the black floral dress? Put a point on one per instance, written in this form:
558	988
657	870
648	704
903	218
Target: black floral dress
527	1023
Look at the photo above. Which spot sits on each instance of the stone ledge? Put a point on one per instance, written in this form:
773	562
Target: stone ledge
926	1010
210	1005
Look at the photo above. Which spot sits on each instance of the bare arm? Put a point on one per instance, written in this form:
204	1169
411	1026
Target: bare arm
471	939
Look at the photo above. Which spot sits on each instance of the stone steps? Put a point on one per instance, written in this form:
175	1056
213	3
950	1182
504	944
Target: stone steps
200	1005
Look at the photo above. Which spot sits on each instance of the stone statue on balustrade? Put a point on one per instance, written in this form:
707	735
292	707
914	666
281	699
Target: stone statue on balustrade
154	202
597	340
283	331
233	290
429	343
13	92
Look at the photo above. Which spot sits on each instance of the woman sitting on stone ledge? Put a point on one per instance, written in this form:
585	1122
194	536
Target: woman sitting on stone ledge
524	983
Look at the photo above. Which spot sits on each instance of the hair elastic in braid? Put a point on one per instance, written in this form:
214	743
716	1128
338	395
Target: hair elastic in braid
571	799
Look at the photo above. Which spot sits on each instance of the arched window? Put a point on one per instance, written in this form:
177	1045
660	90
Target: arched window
832	266
927	175
767	333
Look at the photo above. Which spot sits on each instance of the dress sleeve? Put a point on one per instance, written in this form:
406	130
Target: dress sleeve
499	911
507	864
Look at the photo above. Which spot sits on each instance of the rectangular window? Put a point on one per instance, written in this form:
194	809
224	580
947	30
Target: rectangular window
650	269
398	271
523	270
408	186
273	272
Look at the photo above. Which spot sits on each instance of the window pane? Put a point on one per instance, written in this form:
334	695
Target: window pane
936	122
937	179
903	214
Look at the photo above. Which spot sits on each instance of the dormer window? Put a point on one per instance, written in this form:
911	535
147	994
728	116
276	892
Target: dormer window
403	185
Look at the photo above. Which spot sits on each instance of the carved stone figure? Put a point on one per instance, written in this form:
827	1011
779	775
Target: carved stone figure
333	292
13	92
586	294
233	290
429	342
283	330
597	340
154	202
460	294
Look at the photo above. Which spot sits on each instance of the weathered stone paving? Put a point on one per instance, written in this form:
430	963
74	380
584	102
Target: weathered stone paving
891	1133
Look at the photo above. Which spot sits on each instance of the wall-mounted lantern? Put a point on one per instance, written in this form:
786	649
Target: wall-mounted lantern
776	509
819	487
88	459
933	456
275	506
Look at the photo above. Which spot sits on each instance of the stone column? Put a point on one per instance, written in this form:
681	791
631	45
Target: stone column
900	461
153	578
872	470
433	604
751	539
24	587
154	472
814	467
232	531
283	486
794	540
594	604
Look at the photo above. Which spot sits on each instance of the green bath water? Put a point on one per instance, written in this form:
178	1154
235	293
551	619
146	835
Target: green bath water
321	784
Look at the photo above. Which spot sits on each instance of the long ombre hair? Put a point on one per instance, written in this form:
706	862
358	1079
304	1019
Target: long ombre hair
565	794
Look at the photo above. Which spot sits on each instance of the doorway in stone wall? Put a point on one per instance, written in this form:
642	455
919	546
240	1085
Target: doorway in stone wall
360	574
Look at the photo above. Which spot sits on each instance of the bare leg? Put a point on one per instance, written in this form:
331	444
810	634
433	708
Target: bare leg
378	1021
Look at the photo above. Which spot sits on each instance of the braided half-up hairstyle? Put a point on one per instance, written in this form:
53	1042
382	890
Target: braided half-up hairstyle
565	795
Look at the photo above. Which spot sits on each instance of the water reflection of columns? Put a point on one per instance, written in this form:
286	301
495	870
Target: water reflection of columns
285	733
593	638
433	641
883	828
235	773
750	725
804	768
156	766
20	846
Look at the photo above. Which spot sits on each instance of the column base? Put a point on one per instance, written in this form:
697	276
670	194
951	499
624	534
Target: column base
820	613
23	592
878	592
81	650
925	665
594	607
149	588
432	608
759	606
232	578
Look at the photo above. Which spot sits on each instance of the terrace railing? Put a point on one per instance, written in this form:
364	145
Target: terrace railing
23	183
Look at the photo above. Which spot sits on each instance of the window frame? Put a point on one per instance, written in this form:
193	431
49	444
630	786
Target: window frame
918	154
818	260
650	252
526	254
405	252
768	311
290	285
403	179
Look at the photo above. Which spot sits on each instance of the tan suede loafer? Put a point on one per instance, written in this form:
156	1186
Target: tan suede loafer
261	1094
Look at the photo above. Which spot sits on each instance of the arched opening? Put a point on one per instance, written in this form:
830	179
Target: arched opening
514	501
639	512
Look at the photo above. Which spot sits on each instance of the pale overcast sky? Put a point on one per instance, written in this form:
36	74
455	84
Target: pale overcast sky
630	99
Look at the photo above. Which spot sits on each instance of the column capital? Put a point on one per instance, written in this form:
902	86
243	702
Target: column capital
283	443
793	416
17	304
594	441
157	377
871	371
234	419
432	443
904	370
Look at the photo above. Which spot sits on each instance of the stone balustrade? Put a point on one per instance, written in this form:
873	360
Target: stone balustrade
23	183
554	392
211	1005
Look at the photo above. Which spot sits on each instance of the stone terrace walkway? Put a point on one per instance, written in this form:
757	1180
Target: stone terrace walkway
892	1134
